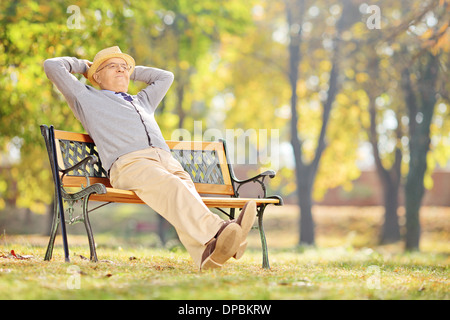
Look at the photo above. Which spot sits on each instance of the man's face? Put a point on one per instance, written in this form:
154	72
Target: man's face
112	75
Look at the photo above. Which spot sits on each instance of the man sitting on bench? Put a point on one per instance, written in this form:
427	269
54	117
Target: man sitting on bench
135	154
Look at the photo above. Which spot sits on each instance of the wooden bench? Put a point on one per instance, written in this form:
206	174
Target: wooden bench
79	177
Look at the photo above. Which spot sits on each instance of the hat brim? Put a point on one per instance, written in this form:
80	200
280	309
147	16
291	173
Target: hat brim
97	63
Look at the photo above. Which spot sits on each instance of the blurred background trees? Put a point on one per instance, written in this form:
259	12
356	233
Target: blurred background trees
347	83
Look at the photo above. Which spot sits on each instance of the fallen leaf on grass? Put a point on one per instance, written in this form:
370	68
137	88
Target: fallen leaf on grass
302	284
298	283
20	257
106	261
84	258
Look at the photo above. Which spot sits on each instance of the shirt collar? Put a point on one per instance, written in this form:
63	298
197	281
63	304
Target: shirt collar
114	92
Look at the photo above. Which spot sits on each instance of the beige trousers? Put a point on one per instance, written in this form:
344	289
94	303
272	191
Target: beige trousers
160	181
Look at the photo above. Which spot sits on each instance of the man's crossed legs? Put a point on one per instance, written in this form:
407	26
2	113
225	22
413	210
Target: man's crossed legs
160	181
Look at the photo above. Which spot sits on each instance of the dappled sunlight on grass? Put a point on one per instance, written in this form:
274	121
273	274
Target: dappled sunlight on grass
150	273
346	263
357	227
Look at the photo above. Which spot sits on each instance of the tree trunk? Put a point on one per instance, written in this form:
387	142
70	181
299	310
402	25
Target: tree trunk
391	229
294	13
306	173
307	227
389	178
420	117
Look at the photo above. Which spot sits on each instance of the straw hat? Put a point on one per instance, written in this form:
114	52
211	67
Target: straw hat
105	54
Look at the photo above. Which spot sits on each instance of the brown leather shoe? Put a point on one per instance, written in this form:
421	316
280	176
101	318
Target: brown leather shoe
246	220
223	246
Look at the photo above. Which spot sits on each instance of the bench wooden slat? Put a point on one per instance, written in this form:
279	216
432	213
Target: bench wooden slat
75	136
126	196
235	202
202	188
76	181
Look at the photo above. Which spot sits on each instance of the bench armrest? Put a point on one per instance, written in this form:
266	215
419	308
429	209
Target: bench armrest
93	159
268	173
81	166
256	179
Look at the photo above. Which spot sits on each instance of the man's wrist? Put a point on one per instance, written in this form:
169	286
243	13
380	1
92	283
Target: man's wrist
87	65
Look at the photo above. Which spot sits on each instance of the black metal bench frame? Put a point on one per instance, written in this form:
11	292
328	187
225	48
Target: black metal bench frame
74	162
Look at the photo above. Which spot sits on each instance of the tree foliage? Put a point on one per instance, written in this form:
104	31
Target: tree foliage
176	35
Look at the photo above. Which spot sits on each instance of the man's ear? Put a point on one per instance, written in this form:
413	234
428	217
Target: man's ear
96	78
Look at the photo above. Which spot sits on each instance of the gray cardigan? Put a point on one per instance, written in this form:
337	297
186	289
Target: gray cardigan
117	126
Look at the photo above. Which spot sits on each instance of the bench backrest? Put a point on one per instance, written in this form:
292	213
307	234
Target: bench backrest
205	162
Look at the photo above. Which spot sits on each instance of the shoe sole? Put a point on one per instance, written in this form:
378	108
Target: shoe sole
227	244
248	219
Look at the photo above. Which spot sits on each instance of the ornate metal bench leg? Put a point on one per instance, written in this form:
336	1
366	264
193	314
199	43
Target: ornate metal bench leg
88	227
232	213
53	231
265	252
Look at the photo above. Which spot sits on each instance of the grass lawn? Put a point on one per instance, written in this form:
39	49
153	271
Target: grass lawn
346	263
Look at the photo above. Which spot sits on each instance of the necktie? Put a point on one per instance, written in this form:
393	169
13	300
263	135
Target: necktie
125	96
